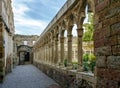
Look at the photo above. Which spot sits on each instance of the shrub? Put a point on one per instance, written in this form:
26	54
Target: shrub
89	61
65	62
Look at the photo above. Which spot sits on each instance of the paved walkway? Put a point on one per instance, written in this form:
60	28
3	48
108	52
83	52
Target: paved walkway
27	76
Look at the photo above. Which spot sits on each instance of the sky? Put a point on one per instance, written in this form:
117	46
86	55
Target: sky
32	16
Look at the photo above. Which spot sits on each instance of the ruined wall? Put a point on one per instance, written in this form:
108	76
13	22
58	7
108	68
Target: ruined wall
30	39
107	42
19	40
6	37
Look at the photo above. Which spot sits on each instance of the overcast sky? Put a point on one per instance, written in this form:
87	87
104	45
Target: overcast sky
32	16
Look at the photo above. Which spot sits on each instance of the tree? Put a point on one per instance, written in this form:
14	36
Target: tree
88	34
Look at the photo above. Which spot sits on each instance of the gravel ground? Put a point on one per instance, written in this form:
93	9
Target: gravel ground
28	76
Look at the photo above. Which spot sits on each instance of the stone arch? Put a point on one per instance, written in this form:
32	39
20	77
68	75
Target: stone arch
24	53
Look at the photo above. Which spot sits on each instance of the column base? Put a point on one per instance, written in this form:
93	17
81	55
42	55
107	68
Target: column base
80	68
61	65
69	66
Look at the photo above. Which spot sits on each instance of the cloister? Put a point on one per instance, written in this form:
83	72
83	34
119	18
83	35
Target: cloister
48	52
106	45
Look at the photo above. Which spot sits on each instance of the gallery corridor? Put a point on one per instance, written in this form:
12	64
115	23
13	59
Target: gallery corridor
27	76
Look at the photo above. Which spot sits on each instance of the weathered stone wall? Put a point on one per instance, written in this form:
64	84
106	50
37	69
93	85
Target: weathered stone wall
6	37
107	42
61	76
67	78
19	40
2	71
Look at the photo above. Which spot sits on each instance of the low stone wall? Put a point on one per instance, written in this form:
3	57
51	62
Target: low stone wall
66	78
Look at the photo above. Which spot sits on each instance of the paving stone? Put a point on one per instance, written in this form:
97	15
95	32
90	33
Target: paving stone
27	76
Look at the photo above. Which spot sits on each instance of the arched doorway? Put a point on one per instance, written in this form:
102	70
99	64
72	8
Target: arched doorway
24	52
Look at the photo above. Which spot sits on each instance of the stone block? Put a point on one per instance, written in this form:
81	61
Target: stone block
113	40
99	43
118	39
113	62
116	50
1	49
102	15
1	55
114	2
108	74
1	69
1	26
96	19
101	61
112	12
103	51
103	4
115	28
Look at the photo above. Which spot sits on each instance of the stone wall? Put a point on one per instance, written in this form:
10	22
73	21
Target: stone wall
107	42
30	39
6	37
19	41
2	71
67	78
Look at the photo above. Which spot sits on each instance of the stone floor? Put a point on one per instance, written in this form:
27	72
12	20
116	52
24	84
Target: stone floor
28	76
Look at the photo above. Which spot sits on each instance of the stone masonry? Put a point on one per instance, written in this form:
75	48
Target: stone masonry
6	37
107	42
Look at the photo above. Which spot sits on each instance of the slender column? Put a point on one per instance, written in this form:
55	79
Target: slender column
56	51
62	49
69	48
49	53
80	51
46	52
53	50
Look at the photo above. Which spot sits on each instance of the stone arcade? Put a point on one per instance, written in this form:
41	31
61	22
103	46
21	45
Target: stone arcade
45	50
106	44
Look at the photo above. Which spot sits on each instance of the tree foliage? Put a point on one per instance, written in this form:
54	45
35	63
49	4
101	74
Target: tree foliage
88	34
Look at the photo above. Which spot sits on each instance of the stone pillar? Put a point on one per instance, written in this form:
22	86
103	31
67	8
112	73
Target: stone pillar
49	60
62	49
56	51
46	52
69	49
53	51
80	51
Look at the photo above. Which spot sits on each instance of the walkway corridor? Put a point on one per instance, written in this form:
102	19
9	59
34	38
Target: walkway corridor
27	76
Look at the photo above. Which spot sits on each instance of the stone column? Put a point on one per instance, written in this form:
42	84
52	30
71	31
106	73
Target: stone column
80	51
53	50
69	49
49	60
46	52
62	49
56	51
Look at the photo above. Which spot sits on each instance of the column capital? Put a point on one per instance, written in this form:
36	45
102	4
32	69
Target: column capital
56	39
79	29
69	37
80	32
61	39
